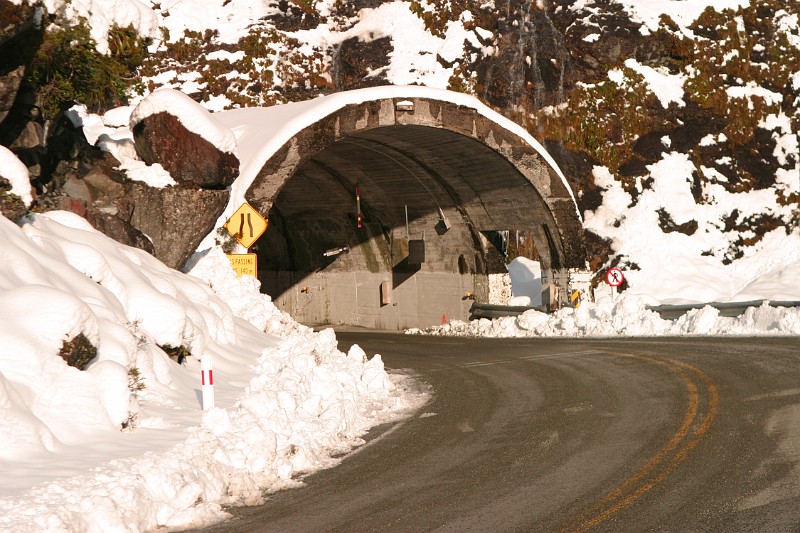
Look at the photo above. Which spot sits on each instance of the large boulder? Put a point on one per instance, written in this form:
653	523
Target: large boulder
167	222
173	130
177	219
121	231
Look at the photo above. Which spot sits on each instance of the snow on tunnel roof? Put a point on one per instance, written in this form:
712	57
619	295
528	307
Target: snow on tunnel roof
261	132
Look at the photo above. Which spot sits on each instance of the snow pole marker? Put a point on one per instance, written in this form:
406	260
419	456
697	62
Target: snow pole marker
207	382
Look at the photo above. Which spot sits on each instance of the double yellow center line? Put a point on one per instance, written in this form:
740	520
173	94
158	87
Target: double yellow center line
700	412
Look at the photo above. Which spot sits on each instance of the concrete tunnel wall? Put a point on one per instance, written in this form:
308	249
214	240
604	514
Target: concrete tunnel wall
412	160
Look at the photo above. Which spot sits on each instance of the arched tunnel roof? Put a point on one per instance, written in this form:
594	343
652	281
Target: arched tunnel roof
414	146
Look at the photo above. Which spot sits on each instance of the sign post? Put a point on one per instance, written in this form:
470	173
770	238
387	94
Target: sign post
246	225
614	278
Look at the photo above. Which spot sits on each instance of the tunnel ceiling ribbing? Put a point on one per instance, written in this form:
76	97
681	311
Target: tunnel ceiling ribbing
417	167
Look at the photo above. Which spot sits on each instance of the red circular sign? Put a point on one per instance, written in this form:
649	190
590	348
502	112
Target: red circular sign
614	277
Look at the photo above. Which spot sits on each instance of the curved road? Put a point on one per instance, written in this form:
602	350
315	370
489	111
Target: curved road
695	434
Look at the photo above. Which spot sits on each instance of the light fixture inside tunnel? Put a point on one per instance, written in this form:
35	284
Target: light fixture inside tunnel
441	227
358	204
443	221
336	251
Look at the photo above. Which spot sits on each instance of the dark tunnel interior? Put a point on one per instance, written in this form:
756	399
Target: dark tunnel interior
413	184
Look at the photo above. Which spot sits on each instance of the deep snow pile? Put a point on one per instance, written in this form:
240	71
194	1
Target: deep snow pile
284	405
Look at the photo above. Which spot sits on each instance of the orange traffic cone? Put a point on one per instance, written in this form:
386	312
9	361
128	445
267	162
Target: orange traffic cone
444	319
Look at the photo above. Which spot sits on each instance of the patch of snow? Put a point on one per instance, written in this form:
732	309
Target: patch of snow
153	175
15	171
625	316
526	281
771	98
102	15
667	87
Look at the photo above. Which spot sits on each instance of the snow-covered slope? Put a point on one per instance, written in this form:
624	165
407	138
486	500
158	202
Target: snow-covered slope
125	445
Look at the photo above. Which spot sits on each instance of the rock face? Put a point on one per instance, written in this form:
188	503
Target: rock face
175	218
355	60
17	27
19	131
190	159
168	223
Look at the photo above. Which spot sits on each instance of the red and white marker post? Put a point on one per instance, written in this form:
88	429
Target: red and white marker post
207	382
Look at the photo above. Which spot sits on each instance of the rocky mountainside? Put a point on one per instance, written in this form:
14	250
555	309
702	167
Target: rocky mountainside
594	80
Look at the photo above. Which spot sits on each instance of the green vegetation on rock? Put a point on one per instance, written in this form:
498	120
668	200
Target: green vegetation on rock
68	68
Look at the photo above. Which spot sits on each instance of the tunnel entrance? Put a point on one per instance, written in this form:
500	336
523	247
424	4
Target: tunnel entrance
380	214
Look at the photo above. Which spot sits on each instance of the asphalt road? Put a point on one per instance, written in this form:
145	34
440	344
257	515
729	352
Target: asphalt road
697	434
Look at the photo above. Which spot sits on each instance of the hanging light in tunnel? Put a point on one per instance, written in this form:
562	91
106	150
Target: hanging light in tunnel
358	205
441	227
443	220
336	251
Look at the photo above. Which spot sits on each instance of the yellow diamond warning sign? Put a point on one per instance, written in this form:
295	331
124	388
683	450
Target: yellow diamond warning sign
244	264
246	225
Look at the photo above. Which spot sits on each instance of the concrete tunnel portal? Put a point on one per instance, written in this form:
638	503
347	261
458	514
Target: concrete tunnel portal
434	182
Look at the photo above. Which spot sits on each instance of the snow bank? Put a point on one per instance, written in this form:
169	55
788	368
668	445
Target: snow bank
108	449
627	316
526	282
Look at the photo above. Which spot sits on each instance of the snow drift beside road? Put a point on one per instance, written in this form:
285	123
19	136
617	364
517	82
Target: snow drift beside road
625	317
284	405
